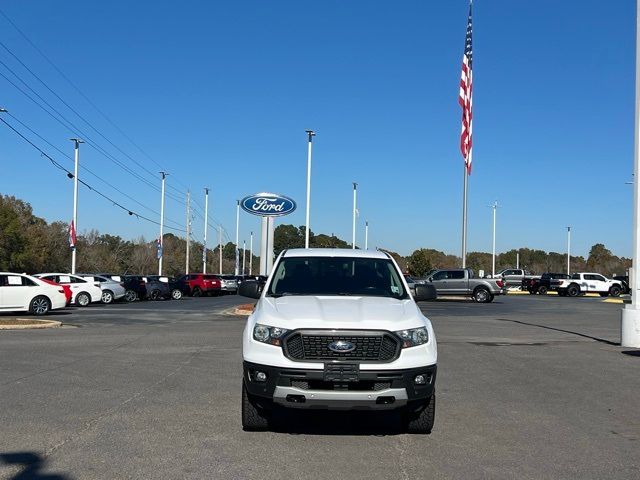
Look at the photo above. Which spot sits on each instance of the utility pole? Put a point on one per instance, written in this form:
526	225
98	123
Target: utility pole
76	158
237	237
493	253
366	235
311	134
353	229
568	250
244	254
206	227
186	267
251	255
160	239
220	247
630	323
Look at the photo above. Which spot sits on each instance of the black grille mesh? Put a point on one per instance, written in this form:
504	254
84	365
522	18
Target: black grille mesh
374	348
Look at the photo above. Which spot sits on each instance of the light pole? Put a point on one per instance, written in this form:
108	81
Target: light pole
251	255
353	228
366	235
493	252
186	262
237	237
76	158
311	134
160	239
630	323
206	227
244	254
220	247
568	250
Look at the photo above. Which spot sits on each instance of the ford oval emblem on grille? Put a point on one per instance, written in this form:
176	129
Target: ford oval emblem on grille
342	346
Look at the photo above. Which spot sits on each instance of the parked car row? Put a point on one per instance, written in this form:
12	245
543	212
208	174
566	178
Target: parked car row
40	293
576	284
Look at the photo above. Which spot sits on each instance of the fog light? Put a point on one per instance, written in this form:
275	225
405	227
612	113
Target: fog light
261	377
420	380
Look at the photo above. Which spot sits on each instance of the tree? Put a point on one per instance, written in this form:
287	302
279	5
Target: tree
419	262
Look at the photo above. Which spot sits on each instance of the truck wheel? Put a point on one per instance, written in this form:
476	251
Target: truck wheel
615	291
422	421
481	295
542	290
253	418
573	290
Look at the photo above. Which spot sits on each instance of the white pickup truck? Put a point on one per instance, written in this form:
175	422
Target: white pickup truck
581	283
338	329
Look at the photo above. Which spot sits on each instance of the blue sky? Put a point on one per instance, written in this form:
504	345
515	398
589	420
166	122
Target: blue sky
220	93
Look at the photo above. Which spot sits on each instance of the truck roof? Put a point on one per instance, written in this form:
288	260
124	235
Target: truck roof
334	252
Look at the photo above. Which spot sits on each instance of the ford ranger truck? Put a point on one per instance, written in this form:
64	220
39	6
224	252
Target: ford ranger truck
338	329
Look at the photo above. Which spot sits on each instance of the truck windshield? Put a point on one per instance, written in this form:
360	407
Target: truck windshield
371	277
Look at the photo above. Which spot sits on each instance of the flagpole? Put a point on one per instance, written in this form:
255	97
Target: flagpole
464	215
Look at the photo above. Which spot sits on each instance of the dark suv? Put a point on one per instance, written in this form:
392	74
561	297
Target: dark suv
177	286
202	284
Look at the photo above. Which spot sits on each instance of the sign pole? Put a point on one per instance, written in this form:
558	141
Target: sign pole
630	324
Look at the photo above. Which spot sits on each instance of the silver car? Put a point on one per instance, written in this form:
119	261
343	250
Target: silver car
111	289
228	284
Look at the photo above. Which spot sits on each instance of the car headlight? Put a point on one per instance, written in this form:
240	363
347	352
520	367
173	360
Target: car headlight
413	337
270	335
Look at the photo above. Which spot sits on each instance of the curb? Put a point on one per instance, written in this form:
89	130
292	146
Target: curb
616	300
246	309
42	324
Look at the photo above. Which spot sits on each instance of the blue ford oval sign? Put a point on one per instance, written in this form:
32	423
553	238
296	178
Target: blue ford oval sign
268	205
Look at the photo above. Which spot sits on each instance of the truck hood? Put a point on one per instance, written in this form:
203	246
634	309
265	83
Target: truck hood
377	313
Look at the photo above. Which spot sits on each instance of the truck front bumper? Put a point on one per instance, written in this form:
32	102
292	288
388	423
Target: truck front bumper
374	389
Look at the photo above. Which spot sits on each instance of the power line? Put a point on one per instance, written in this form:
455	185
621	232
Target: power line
82	94
90	187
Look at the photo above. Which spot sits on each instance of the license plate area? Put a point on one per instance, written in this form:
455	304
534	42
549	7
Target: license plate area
341	372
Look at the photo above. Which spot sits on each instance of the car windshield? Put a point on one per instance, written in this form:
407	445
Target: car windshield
373	277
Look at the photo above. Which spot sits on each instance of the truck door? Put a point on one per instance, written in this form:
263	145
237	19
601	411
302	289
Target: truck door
589	283
457	281
440	282
600	283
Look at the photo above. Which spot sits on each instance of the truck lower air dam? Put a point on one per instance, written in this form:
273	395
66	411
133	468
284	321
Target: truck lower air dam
296	398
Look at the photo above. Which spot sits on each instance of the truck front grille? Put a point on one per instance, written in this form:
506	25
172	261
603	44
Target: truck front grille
375	346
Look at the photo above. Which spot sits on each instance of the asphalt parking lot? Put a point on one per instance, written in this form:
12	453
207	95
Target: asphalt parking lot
528	387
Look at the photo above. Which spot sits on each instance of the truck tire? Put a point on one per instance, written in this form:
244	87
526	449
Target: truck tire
482	295
542	290
573	290
422	421
253	418
615	291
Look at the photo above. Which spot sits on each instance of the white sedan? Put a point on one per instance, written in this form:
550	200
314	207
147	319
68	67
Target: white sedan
83	292
24	293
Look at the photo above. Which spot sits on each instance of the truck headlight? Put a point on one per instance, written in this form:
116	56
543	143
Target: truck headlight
413	337
267	334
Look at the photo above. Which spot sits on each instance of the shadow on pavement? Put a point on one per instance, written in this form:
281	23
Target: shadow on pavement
321	422
597	339
31	464
631	353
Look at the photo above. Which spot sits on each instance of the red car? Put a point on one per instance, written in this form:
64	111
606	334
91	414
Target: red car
66	288
200	284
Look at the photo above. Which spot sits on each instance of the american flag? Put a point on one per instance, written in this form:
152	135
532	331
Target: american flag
466	98
72	235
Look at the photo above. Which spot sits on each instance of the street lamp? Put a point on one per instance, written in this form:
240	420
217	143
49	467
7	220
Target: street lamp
311	134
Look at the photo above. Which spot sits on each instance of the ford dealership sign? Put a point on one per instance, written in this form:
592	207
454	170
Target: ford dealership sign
268	205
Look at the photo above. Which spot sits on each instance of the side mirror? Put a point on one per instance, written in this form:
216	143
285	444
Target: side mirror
425	293
250	288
